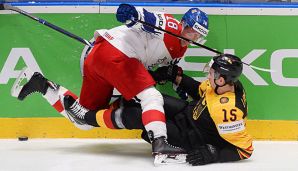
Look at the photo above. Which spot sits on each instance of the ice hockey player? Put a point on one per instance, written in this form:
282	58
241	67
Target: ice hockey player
212	127
120	59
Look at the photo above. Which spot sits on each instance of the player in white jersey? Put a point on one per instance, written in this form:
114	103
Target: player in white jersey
120	59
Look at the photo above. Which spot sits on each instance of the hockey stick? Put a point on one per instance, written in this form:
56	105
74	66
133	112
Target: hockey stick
44	22
195	43
180	37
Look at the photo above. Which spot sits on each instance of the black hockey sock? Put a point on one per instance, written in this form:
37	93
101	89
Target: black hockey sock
90	118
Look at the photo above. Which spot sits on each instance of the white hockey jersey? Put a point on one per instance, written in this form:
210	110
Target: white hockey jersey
151	47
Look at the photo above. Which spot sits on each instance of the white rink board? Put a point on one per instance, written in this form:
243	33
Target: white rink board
127	155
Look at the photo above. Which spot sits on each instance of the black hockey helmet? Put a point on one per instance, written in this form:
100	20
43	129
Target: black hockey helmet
227	66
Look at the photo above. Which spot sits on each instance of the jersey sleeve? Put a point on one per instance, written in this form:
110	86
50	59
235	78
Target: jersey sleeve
233	153
153	18
158	19
190	86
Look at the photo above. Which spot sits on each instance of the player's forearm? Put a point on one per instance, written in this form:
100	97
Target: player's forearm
189	85
148	17
231	153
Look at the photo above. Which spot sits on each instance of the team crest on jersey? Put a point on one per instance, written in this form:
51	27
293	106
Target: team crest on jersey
224	100
201	105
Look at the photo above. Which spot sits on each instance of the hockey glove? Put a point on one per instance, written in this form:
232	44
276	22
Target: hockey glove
202	155
166	73
181	93
125	14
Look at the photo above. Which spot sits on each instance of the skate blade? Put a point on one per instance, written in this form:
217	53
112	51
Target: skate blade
166	159
17	86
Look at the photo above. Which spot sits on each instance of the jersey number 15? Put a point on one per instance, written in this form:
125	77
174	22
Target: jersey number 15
232	114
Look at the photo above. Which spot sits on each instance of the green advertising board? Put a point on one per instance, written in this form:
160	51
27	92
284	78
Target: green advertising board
265	41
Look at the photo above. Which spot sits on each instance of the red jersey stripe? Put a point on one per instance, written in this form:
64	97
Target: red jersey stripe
153	115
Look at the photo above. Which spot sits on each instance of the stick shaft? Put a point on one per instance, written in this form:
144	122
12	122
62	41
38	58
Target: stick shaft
180	37
203	46
44	22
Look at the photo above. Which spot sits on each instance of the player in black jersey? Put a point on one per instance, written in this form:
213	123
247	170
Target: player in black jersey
211	127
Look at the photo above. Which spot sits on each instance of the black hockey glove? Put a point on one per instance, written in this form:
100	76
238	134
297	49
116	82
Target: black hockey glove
181	93
166	73
202	155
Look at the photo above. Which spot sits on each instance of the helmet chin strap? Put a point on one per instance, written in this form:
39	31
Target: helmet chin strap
217	86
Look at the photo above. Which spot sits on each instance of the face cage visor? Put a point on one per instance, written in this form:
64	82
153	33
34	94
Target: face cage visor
208	66
203	34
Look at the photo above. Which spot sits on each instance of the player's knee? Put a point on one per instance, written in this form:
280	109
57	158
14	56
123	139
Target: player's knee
151	99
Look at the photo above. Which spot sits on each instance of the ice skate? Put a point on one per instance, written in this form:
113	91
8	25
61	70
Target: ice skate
165	153
76	112
36	83
161	146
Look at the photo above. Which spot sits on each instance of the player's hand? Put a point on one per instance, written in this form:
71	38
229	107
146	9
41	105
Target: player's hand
181	93
126	13
202	155
167	73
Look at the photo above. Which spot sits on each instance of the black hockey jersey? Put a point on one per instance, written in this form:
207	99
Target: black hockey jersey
221	120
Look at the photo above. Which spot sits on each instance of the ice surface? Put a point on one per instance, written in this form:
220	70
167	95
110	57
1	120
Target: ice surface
130	155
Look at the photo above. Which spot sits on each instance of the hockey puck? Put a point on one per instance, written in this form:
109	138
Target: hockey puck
23	138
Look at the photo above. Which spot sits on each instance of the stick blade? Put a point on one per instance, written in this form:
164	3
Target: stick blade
6	7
